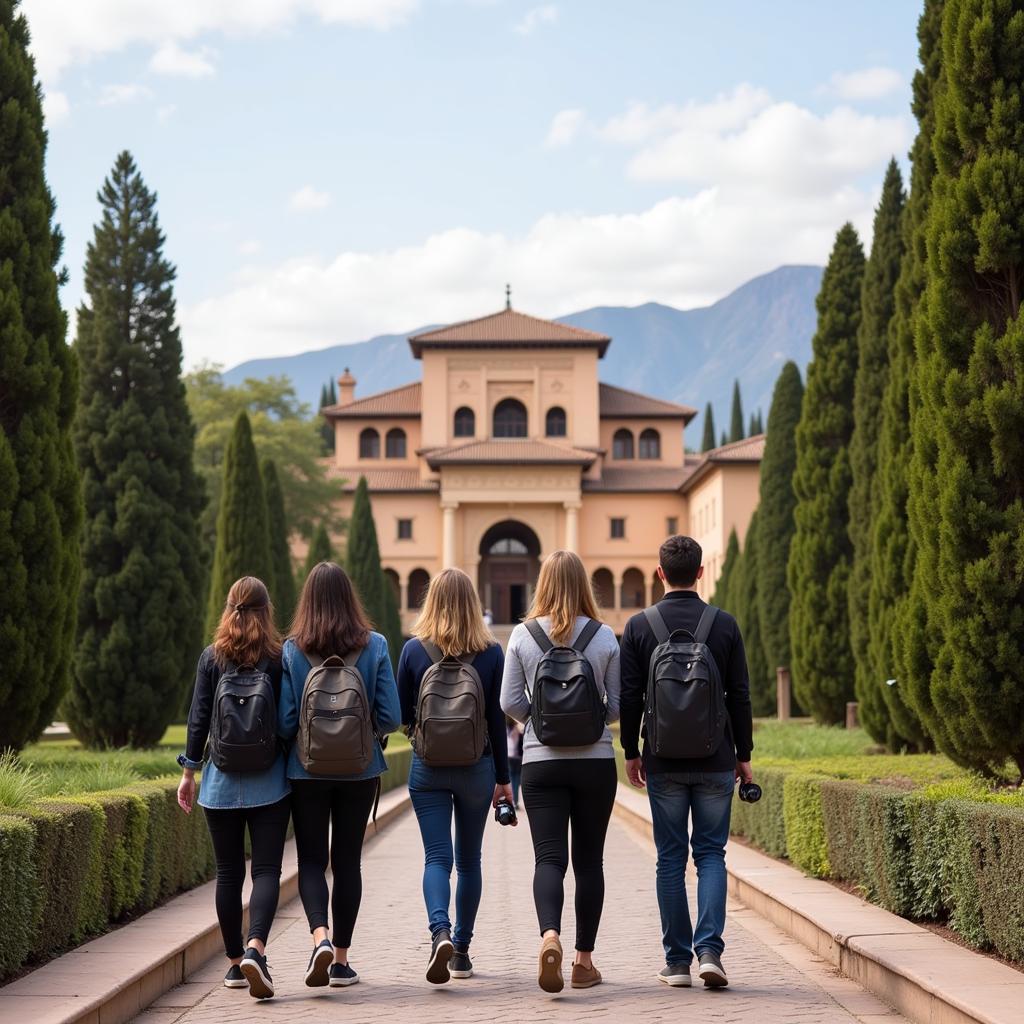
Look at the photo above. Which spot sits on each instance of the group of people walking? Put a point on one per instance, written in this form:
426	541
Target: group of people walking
296	730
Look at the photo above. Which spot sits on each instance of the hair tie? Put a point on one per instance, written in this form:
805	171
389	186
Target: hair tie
247	607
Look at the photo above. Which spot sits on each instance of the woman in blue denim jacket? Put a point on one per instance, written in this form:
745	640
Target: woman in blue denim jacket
233	801
330	621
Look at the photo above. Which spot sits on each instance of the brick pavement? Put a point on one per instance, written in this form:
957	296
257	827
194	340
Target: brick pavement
774	980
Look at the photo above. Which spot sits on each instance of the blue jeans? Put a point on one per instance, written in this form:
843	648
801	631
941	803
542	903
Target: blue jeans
436	794
674	797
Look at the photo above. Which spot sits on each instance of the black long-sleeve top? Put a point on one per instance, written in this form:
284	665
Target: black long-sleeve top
489	665
682	609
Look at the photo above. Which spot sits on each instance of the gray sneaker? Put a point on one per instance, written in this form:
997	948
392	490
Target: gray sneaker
676	975
712	973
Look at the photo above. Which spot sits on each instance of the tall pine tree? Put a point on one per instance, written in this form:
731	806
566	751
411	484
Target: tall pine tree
775	526
141	605
708	441
328	396
819	556
40	499
723	596
319	549
966	503
745	594
282	585
243	532
736	419
877	304
893	552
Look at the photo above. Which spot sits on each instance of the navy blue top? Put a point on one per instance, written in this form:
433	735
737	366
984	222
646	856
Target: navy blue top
489	665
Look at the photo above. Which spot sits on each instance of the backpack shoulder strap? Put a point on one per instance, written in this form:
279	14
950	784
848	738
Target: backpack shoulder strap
434	652
315	661
707	620
537	632
350	659
657	623
587	634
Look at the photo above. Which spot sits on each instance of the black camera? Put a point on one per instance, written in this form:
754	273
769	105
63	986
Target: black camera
750	792
505	813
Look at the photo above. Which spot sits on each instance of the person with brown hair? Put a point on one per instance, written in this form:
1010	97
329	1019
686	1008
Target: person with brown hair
330	807
449	684
561	641
237	689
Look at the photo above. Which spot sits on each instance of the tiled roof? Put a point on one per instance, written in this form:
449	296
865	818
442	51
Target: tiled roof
519	450
616	402
402	402
749	451
639	478
508	327
381	479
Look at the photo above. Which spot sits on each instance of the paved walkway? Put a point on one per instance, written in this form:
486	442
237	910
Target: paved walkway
774	980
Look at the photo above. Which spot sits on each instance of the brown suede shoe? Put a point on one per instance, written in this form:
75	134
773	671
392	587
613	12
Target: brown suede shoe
550	975
585	977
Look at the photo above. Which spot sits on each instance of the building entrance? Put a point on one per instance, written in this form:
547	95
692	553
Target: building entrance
509	563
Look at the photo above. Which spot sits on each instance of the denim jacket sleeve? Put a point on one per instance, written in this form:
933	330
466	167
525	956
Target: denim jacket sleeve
386	705
288	705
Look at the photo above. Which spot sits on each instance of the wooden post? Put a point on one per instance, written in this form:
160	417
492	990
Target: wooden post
852	720
783	693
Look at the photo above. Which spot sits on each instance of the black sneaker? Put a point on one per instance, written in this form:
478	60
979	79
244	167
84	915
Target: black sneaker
342	975
460	966
235	978
440	953
711	972
257	973
317	975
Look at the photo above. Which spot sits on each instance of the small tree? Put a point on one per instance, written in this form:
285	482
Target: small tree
736	419
327	397
724	596
745	594
282	587
319	549
709	429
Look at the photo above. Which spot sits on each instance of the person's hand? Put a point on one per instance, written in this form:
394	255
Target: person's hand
187	790
503	792
744	773
636	773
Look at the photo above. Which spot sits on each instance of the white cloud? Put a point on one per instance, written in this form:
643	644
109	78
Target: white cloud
171	59
66	33
166	112
250	247
535	17
308	198
865	84
565	126
128	92
55	107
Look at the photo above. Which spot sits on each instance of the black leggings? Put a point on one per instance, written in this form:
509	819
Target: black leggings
268	826
343	808
557	793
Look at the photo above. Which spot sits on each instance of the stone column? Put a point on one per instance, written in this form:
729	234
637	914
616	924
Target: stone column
783	693
448	535
617	583
648	592
572	526
403	593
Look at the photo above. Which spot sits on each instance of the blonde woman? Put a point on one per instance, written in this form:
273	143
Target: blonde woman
565	785
449	685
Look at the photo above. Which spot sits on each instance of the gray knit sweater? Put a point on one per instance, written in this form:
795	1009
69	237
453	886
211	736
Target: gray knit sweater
521	660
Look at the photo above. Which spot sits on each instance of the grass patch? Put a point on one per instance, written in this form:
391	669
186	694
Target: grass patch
802	739
19	786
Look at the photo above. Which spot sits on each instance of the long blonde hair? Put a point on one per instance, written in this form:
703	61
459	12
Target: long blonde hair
564	591
452	618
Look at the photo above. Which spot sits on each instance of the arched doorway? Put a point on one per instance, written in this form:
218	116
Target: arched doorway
509	562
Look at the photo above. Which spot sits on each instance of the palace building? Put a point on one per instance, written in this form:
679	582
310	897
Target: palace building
509	447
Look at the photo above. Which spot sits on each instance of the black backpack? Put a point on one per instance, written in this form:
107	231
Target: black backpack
243	726
685	713
567	708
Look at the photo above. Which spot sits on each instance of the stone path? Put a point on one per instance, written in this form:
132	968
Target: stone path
774	980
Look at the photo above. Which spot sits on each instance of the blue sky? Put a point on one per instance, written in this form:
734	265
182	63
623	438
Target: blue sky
332	169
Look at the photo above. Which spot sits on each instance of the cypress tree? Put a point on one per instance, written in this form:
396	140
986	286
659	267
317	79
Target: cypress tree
333	392
893	551
775	524
966	503
744	591
877	304
40	498
752	429
725	439
819	556
709	429
243	533
724	595
326	427
391	623
140	612
319	549
282	586
736	420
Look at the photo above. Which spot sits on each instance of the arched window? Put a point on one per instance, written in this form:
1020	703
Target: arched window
604	588
650	444
369	444
465	422
394	443
510	418
508	546
632	589
392	579
419	580
555	423
622	444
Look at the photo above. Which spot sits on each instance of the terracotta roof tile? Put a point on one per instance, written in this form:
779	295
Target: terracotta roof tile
507	327
616	402
403	402
381	479
749	451
639	478
508	450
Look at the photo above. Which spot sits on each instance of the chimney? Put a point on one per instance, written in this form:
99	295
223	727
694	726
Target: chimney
346	388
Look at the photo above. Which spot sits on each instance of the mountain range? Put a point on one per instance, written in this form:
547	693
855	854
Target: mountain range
684	355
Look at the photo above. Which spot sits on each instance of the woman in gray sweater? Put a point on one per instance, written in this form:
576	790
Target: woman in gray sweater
565	785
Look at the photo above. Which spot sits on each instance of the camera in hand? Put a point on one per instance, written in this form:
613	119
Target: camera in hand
750	792
505	813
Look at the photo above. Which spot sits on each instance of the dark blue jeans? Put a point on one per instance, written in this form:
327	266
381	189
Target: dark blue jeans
707	797
438	794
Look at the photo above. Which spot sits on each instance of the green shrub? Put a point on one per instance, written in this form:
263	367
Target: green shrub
805	824
18	887
75	779
398	767
19	785
997	860
763	823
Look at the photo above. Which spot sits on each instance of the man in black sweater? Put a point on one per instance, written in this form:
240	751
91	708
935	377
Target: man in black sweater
679	788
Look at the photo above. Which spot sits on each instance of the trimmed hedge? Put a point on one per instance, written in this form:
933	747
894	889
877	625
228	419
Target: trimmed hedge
17	895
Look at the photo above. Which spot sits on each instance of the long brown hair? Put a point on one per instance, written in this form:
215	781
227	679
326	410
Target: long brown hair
452	617
329	618
563	591
246	633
